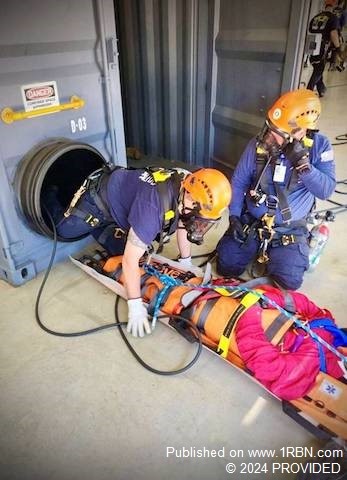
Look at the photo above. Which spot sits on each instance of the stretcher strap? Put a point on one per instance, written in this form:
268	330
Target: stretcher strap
210	298
340	338
226	291
303	326
116	274
278	328
168	283
210	303
247	301
205	313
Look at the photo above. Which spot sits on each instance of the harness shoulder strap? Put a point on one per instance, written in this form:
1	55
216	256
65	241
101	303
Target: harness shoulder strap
282	195
164	178
279	326
261	164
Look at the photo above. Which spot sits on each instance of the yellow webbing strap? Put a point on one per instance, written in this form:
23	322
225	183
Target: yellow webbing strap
161	175
224	291
261	150
308	142
169	214
247	301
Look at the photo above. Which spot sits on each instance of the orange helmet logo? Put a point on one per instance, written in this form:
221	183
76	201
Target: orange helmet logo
296	109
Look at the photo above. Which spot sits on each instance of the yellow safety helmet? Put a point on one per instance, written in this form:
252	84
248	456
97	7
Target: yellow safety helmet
294	110
210	189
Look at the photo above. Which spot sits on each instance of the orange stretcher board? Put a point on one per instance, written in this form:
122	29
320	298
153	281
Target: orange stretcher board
323	411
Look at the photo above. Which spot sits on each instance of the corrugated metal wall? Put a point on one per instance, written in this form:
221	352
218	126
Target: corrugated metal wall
259	51
198	75
165	57
58	41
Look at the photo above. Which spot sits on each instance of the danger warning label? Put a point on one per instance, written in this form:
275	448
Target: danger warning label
40	95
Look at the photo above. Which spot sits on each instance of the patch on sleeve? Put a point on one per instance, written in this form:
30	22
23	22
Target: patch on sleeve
327	156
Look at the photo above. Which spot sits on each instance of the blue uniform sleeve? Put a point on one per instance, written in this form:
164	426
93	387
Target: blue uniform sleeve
321	180
334	23
343	19
242	178
145	215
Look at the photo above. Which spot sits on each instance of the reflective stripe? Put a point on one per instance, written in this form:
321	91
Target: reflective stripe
225	292
327	156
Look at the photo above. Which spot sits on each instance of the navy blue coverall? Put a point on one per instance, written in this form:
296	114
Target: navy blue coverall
287	264
131	199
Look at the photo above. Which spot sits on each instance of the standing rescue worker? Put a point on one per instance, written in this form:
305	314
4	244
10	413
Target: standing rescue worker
127	209
274	188
326	26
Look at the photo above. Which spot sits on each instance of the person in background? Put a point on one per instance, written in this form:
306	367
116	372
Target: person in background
127	209
325	26
275	183
338	56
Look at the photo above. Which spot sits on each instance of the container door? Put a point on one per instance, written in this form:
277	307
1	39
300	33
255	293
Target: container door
258	55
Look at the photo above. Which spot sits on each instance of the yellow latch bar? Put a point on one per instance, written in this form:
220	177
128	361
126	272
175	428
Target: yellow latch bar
9	116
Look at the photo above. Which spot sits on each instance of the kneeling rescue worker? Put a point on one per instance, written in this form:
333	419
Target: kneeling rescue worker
274	188
127	209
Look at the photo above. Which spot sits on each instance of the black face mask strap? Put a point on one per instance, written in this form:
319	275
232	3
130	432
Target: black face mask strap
273	149
188	224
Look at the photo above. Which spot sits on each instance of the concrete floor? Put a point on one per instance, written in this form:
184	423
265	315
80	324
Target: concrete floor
83	408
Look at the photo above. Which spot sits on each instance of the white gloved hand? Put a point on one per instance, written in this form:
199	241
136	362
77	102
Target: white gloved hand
186	262
137	318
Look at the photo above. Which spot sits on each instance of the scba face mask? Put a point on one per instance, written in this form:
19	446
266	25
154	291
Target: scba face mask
195	225
268	141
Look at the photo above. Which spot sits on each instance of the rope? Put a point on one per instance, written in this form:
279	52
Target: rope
169	282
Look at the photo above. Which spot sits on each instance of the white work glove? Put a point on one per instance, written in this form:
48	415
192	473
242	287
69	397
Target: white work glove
137	318
186	262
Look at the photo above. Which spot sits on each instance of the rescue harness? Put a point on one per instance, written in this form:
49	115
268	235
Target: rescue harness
267	232
95	185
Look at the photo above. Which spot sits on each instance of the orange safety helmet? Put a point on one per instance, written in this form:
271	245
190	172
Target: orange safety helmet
330	3
210	189
293	110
